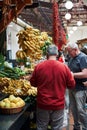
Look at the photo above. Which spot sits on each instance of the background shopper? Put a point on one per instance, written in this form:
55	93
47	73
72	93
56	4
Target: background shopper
61	57
51	78
78	66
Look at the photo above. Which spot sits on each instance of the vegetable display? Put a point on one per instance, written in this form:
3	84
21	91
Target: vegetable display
8	71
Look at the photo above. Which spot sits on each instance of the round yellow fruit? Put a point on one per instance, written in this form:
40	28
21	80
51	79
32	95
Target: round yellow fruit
5	100
2	104
7	105
18	104
11	97
22	103
12	105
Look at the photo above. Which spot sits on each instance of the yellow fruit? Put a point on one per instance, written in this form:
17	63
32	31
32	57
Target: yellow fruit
22	103
18	99
11	97
5	100
12	105
2	104
7	105
18	104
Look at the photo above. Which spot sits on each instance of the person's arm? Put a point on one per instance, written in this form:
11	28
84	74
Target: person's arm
82	74
85	83
33	80
70	82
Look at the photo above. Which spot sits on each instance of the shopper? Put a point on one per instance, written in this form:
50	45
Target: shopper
78	66
51	78
61	57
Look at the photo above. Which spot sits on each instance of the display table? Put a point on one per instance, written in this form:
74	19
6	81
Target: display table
14	121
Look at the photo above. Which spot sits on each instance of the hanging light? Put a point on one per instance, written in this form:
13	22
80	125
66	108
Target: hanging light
79	23
68	4
67	16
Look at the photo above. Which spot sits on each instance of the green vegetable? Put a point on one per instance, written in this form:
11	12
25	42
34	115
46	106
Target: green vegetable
2	75
1	61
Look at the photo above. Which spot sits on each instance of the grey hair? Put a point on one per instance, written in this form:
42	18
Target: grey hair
72	45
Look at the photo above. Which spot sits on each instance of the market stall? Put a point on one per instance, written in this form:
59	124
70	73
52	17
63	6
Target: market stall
14	121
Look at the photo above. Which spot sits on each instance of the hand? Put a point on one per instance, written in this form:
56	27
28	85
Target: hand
27	77
85	83
72	73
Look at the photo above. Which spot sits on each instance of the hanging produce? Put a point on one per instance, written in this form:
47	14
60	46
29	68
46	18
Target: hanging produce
31	42
59	36
55	23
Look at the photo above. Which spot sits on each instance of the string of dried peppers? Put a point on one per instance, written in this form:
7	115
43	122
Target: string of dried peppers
59	36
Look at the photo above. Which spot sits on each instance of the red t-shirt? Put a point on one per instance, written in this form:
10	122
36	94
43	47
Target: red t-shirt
51	78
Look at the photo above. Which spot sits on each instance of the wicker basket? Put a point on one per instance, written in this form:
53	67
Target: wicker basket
11	110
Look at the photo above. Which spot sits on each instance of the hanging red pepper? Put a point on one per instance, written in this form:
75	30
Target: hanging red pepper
55	23
59	36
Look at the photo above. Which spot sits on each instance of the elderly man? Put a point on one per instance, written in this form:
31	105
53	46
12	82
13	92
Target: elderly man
78	66
51	78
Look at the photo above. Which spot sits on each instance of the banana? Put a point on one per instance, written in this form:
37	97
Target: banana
30	41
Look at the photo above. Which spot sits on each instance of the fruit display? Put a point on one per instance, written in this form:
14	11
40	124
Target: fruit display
30	43
32	91
12	102
16	87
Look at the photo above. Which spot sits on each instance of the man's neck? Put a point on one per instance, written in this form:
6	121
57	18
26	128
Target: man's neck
52	58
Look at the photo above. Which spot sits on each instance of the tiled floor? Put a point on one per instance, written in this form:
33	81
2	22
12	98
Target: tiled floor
69	123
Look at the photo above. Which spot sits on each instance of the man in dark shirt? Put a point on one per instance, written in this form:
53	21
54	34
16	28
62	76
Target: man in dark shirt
78	66
51	78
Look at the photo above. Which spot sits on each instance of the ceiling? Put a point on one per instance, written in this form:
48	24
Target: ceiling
40	13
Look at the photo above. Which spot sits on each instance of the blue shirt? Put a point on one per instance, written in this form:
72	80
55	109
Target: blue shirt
77	64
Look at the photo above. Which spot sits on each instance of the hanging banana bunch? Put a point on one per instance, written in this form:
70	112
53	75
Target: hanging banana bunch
31	41
21	54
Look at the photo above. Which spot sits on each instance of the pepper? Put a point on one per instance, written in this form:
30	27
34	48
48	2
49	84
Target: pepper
59	36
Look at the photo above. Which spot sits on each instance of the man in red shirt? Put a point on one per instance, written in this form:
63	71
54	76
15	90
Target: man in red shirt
51	78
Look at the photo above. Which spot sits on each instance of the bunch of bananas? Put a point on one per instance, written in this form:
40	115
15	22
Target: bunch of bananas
21	54
30	41
3	82
17	87
32	91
